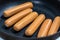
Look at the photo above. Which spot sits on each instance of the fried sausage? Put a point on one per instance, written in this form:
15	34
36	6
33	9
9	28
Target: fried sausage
43	32
9	12
12	20
25	21
34	26
55	26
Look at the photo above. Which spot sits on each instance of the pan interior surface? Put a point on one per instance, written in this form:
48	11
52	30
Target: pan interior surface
39	6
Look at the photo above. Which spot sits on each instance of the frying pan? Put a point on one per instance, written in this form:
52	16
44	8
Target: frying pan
51	8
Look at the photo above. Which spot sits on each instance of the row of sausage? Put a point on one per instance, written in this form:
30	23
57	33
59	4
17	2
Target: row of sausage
22	15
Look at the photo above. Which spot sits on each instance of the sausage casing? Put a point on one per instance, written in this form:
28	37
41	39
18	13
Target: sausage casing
12	20
55	26
25	21
11	11
34	26
43	32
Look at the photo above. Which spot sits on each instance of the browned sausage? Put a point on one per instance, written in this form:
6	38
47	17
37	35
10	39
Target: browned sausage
12	20
25	21
34	26
55	26
9	12
43	32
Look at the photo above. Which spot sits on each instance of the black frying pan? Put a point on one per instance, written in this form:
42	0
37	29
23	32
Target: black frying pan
51	8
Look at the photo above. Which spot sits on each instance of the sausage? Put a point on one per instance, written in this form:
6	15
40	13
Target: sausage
55	26
12	20
34	26
25	21
43	32
11	11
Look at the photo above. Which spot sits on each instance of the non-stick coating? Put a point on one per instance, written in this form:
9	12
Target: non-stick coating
40	6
